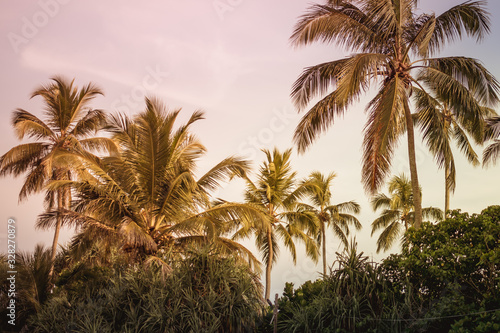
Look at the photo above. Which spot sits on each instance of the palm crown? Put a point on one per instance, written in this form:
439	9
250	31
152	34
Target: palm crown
337	216
441	124
276	193
394	48
398	210
68	126
147	198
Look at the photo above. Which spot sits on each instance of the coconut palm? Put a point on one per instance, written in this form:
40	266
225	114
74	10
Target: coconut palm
277	193
491	153
441	123
338	216
394	49
68	126
398	211
146	199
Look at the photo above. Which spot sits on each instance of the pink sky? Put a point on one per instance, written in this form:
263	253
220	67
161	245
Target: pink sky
230	58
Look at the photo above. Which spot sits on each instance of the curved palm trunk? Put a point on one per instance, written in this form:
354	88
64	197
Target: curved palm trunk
417	200
323	241
269	264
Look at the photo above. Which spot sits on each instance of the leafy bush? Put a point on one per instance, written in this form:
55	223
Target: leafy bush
453	270
202	293
353	298
447	279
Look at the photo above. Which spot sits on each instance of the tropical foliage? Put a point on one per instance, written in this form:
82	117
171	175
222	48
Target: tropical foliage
492	152
453	270
32	285
146	198
398	211
277	193
445	280
394	48
68	127
337	216
155	251
355	297
203	293
442	123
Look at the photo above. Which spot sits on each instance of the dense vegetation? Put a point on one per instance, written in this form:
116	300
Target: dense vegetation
154	251
447	279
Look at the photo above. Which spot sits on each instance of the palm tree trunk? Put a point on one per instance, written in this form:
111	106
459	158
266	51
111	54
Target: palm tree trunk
447	123
56	232
446	189
269	264
323	241
417	200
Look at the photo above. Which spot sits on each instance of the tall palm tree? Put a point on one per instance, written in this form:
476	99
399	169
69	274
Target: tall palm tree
442	123
147	200
398	211
394	49
338	216
277	193
68	125
491	153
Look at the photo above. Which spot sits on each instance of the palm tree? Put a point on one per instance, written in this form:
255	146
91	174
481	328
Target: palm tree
277	194
394	48
146	200
441	123
491	153
68	125
399	211
338	216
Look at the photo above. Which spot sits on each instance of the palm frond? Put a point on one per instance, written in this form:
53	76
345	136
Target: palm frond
469	17
93	121
388	236
100	144
380	200
27	124
135	236
315	81
465	146
491	153
338	22
433	213
387	218
385	124
317	120
22	158
226	169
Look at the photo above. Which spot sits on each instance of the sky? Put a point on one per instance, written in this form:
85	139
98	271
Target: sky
233	60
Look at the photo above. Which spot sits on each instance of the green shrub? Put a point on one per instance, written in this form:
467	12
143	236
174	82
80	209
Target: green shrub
203	293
